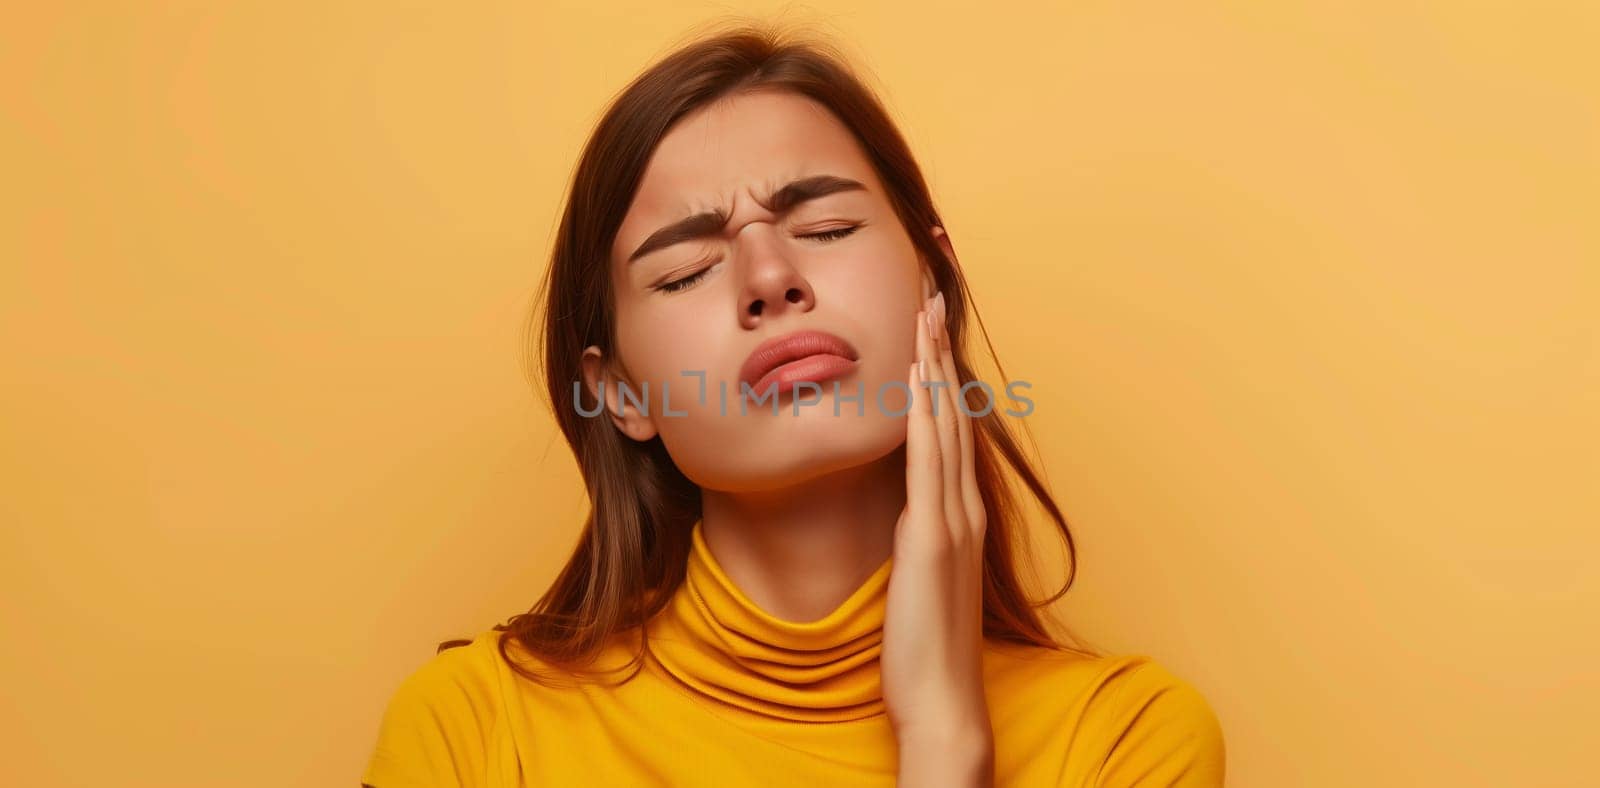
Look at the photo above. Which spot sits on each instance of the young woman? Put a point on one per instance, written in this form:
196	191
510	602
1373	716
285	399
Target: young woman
800	567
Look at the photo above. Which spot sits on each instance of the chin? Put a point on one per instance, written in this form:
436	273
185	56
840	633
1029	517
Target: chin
818	444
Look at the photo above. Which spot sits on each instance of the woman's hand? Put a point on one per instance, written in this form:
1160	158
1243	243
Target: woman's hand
931	661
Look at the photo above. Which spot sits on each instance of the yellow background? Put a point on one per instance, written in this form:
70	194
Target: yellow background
1307	296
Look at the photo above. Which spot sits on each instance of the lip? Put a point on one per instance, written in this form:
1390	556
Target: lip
802	355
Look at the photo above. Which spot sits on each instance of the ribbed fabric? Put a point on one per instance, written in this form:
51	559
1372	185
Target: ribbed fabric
732	696
718	642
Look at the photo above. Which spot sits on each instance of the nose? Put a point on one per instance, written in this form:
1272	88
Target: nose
772	284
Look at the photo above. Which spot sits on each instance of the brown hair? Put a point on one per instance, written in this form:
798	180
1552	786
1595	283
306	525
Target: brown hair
633	550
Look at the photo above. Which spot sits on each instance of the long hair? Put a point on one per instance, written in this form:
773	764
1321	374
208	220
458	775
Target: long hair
634	546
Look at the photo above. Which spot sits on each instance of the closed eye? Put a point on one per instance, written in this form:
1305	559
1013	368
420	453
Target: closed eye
833	235
679	284
688	281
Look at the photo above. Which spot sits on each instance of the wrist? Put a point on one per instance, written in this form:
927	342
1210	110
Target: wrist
951	754
960	737
963	729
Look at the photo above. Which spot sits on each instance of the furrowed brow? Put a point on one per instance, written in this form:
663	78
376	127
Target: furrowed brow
701	225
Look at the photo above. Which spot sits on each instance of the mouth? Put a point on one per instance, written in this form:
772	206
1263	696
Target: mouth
812	356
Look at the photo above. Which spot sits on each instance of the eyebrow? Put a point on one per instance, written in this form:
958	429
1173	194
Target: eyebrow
710	222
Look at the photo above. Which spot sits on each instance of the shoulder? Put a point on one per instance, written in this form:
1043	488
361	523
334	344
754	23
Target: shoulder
459	678
435	727
1157	725
1136	718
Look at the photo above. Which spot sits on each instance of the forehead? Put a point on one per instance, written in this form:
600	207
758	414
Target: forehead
728	153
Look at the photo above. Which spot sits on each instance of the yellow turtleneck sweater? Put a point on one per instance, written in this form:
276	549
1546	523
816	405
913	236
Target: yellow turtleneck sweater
732	696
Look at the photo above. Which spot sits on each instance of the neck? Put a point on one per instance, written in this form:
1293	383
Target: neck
800	551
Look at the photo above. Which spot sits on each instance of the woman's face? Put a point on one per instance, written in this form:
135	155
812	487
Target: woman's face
693	310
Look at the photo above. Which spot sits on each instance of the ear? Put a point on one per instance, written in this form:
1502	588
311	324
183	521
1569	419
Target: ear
939	234
943	237
597	372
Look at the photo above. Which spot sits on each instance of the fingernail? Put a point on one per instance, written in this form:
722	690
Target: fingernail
922	370
933	326
938	308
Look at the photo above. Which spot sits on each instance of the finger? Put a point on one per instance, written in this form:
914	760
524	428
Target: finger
923	471
945	414
971	499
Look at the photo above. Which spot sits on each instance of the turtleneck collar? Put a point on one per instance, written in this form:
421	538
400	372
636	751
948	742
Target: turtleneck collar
719	644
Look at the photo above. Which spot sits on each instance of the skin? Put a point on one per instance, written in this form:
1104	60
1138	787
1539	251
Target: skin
800	508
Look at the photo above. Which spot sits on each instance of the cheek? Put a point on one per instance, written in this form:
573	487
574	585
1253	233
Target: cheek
661	349
680	351
880	290
883	276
